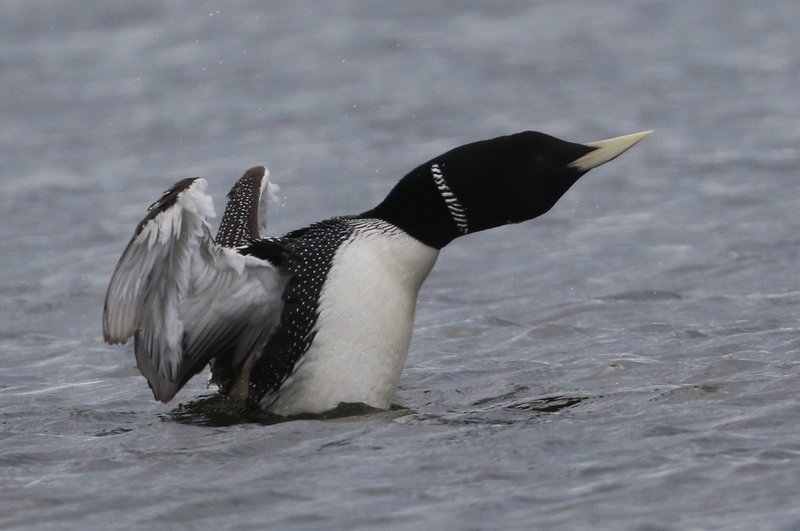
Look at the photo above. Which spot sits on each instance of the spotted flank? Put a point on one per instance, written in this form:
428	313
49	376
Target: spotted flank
312	250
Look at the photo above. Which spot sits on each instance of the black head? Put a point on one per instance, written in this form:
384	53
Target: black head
493	182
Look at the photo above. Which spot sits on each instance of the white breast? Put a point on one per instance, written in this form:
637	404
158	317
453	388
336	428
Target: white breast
366	315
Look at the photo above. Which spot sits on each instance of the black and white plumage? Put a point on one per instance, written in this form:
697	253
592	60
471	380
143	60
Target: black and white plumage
324	314
242	221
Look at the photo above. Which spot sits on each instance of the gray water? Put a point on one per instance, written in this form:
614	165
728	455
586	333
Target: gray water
628	361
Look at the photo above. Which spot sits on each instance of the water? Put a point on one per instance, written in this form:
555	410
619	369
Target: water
630	360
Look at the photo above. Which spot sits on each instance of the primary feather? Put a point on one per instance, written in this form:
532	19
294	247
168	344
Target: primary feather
185	298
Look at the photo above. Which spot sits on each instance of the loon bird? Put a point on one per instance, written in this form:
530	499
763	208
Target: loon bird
323	315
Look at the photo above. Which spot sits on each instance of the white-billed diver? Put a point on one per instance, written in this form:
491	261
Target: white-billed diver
323	315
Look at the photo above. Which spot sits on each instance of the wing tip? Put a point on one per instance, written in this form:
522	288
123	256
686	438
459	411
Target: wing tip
163	388
114	340
111	334
163	397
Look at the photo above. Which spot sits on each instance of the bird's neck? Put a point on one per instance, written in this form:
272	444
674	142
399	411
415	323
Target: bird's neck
418	206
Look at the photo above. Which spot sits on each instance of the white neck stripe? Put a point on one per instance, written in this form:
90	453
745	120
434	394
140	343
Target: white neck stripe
457	211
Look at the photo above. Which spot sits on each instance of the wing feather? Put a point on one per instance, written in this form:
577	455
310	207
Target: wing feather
184	298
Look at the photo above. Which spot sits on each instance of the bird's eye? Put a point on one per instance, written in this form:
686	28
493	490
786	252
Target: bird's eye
539	162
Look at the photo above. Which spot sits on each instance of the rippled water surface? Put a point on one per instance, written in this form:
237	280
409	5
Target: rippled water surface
629	360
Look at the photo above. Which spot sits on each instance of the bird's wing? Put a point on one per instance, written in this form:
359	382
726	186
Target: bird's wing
245	216
185	298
